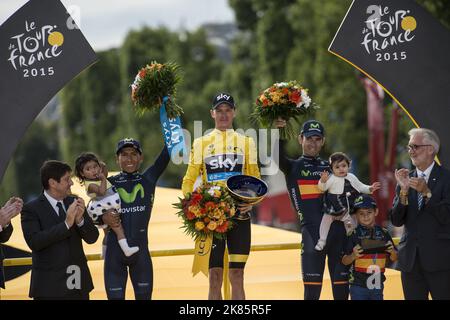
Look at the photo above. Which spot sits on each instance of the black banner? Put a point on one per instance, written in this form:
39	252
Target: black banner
41	49
406	51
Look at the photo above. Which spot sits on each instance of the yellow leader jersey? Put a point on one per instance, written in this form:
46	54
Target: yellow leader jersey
219	155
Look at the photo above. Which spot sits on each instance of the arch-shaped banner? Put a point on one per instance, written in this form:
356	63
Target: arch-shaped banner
405	50
41	49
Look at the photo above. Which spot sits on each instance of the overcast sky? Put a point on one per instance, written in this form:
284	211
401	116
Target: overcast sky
105	23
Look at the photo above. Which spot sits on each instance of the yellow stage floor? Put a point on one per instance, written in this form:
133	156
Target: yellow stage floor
269	275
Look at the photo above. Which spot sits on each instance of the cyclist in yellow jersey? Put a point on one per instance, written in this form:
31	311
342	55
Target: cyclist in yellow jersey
215	157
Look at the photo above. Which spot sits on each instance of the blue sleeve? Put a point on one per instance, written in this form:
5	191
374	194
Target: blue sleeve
154	172
284	163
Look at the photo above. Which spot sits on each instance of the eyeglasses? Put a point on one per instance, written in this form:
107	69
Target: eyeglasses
414	147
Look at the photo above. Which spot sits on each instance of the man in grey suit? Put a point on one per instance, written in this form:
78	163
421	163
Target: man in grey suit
54	225
422	205
11	209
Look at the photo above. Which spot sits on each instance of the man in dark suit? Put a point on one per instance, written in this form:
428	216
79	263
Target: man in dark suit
54	224
422	205
11	209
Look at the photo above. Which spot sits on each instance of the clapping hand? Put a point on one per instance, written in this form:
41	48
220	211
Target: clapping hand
402	177
418	184
71	214
11	209
80	208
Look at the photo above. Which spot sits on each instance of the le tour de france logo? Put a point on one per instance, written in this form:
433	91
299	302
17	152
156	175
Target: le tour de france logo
386	32
32	49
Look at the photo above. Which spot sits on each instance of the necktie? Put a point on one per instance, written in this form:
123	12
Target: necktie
419	194
61	212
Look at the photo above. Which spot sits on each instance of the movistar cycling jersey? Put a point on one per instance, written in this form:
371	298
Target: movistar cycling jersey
302	177
136	194
219	155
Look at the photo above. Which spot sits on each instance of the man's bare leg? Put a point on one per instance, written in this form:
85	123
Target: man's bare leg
237	284
215	283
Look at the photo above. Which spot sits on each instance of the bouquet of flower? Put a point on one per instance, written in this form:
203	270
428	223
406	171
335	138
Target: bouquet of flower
207	210
154	82
287	100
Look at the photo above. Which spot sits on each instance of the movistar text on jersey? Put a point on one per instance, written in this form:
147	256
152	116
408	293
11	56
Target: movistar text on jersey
133	209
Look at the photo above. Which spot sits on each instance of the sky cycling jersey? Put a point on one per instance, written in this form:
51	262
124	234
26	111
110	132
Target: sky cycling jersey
219	155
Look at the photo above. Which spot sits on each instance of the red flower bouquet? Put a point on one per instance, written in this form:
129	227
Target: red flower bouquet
207	210
288	100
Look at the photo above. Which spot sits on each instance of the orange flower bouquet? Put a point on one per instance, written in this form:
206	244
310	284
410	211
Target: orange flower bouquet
288	100
207	210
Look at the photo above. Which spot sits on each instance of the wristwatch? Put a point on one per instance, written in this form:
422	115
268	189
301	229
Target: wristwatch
427	195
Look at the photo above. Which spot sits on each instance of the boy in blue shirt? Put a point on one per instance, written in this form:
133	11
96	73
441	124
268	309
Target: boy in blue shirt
368	249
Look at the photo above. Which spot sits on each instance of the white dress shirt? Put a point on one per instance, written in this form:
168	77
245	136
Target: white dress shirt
54	204
425	174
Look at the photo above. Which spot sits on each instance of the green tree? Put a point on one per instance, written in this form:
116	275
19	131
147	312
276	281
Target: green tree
199	64
274	36
333	83
39	143
238	77
90	105
22	175
98	111
440	9
292	38
246	14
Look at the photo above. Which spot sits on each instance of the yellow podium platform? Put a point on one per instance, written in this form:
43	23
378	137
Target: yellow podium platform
269	275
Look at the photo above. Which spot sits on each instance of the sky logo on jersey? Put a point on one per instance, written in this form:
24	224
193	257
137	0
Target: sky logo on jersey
221	167
130	197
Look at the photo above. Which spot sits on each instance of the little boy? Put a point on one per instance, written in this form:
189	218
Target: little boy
367	250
